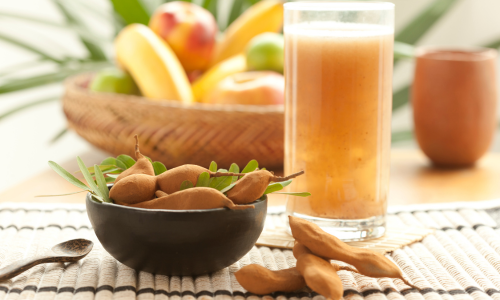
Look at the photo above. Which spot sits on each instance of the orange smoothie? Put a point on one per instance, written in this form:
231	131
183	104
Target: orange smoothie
338	125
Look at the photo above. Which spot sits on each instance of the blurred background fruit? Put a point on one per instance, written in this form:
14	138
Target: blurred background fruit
112	80
264	16
153	65
205	83
266	52
190	31
254	88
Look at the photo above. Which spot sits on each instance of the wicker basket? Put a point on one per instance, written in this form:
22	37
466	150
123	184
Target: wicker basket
175	133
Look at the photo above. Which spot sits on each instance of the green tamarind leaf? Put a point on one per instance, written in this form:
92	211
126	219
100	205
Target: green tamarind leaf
228	188
213	166
127	160
97	198
88	177
112	175
39	196
109	161
159	167
101	167
299	194
101	184
276	186
220	183
203	180
234	168
66	175
186	184
251	166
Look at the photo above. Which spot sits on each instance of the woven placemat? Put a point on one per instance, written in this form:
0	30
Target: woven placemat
397	236
460	260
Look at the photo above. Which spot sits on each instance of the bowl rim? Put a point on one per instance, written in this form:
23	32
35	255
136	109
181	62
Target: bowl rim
88	197
74	83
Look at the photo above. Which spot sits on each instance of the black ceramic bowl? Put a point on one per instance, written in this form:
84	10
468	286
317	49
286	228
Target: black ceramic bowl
175	242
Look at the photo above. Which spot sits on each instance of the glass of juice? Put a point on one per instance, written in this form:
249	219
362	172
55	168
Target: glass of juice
338	84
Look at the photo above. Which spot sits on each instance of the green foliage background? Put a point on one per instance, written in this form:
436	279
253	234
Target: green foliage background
138	11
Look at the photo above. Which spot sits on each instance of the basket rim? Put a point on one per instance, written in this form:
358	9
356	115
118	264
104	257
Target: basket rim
72	83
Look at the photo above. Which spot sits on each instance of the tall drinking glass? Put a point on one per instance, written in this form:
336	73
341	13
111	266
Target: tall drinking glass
338	78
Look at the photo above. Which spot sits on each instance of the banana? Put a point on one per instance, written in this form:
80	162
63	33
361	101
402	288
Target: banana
153	65
264	16
203	85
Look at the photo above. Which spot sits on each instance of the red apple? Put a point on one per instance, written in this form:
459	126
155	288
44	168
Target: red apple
189	30
253	88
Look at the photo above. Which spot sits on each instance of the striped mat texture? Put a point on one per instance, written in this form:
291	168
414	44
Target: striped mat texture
461	260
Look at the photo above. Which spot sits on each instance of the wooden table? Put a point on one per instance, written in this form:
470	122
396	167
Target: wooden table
413	180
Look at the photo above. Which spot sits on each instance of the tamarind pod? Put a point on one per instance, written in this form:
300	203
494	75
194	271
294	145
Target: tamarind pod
160	193
299	249
133	189
261	281
253	185
320	243
170	181
192	198
142	166
320	276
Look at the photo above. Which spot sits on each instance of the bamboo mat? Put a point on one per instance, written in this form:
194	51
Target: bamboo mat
460	260
397	236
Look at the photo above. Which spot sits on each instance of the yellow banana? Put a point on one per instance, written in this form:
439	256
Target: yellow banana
152	64
215	74
264	16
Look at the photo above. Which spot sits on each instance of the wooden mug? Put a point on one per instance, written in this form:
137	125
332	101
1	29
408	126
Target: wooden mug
454	98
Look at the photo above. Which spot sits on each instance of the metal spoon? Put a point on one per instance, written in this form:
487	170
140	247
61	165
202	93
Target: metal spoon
69	251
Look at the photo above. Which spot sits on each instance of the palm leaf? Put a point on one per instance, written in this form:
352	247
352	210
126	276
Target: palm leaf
30	48
493	44
400	136
419	26
95	51
401	97
132	11
50	77
25	106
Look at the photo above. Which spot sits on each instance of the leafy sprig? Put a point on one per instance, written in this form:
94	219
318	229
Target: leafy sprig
98	176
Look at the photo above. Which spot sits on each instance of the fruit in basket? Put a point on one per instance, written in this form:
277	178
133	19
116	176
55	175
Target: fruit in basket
153	65
190	31
192	198
266	52
252	88
264	16
142	165
113	81
207	82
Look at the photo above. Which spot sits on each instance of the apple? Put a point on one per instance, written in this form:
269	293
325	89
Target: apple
266	52
251	88
189	29
113	81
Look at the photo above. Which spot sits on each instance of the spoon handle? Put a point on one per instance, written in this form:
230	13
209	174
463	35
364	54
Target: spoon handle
19	266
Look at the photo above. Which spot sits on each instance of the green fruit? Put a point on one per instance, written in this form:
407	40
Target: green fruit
114	81
265	52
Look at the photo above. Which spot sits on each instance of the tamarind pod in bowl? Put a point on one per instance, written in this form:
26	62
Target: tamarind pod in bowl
171	180
320	243
134	189
253	185
320	276
142	166
261	281
192	198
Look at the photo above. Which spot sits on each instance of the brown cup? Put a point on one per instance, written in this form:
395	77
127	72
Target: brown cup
454	98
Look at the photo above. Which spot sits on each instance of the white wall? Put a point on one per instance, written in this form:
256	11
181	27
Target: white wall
25	147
